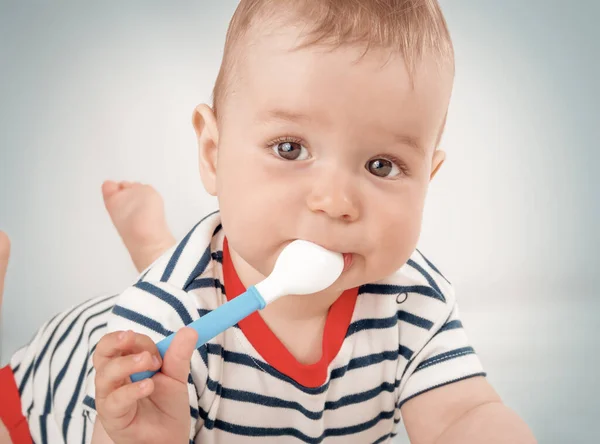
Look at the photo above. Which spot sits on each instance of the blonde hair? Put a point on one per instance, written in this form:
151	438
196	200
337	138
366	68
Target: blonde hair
409	27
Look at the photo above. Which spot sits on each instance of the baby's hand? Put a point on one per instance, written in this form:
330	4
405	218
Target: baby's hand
151	410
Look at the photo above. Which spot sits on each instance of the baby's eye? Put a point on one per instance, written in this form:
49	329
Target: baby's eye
290	151
382	168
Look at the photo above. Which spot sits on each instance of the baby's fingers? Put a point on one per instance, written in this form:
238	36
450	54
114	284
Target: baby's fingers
120	407
179	354
115	373
121	343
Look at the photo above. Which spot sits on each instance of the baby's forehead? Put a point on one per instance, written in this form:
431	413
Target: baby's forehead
327	26
275	58
278	60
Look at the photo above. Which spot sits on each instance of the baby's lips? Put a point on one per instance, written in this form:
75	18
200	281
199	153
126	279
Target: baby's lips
348	258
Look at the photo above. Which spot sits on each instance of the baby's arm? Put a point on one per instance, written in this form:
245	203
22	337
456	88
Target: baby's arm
464	412
151	410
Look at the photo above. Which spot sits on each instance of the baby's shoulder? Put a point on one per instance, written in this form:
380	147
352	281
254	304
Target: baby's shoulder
417	298
418	280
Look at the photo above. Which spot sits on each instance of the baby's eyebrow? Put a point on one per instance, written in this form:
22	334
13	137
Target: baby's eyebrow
283	114
409	141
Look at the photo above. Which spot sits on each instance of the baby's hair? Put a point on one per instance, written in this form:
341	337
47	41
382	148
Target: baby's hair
409	27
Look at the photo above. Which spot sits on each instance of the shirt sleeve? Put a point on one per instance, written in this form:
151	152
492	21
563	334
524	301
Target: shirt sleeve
158	309
434	347
445	358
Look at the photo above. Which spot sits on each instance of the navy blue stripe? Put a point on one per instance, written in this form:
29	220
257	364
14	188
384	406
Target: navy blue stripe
414	320
203	354
142	320
213	349
33	365
43	430
364	361
164	296
91	353
84	436
375	358
203	311
248	361
358	398
206	283
392	321
388	289
48	401
40	357
218	256
179	249
401	403
293	432
25	378
80	379
433	267
409	363
199	268
213	385
90	402
451	325
63	370
372	324
384	438
16	368
270	401
428	277
405	352
446	356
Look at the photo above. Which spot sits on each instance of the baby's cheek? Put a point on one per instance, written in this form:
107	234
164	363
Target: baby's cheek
395	243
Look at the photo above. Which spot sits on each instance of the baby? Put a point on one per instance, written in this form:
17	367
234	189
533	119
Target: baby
325	126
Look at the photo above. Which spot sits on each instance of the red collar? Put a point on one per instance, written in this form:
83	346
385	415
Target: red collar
271	348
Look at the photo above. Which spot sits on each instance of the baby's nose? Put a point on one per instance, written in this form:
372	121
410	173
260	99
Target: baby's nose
336	196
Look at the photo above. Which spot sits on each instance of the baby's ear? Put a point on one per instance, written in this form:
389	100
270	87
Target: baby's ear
438	160
207	133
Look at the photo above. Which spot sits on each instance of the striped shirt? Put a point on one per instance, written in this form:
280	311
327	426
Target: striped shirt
385	343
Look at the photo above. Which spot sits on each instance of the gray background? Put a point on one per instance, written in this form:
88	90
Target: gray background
107	90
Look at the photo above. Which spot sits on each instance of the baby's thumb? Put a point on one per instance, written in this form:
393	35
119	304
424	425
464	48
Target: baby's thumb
176	362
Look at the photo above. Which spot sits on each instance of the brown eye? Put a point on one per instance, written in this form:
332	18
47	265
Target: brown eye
290	151
382	167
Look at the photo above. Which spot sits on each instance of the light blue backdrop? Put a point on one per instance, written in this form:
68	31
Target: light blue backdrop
90	92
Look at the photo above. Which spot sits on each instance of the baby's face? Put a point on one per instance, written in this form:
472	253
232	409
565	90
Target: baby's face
323	145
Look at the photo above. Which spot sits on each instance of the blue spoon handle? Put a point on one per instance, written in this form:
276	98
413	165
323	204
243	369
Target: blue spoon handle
213	323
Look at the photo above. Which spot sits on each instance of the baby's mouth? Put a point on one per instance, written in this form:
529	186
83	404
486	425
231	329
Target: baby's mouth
348	259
